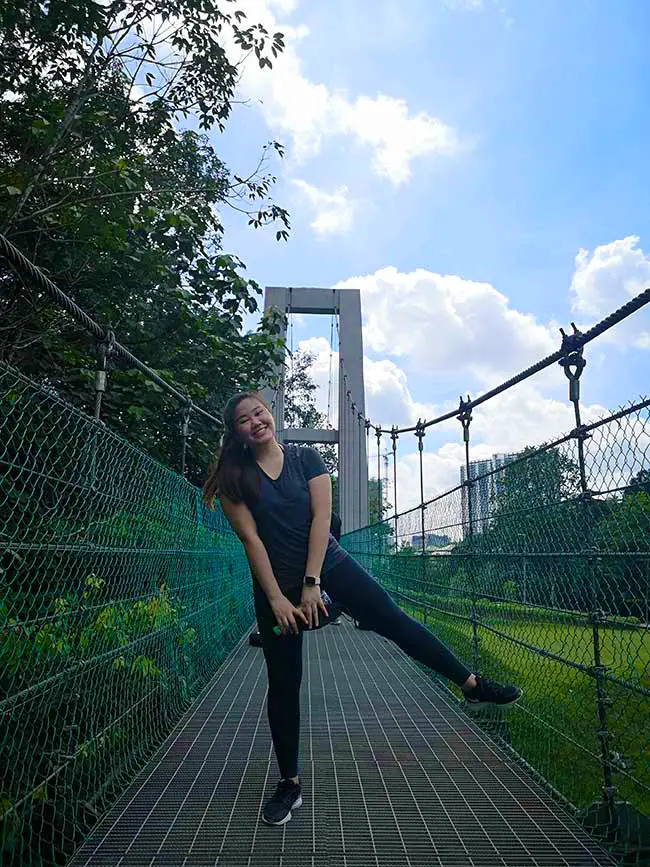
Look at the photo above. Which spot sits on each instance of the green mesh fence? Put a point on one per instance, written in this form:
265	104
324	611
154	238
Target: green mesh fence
120	595
538	575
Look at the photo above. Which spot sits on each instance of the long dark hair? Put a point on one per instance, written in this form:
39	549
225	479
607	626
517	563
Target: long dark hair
234	473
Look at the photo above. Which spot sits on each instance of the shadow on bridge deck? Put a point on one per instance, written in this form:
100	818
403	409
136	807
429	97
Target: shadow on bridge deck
393	774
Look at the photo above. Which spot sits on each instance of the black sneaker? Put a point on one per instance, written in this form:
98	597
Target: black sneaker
489	691
287	797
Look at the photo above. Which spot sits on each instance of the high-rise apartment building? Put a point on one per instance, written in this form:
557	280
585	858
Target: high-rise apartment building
488	481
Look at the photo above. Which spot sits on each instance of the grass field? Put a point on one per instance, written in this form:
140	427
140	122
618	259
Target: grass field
555	727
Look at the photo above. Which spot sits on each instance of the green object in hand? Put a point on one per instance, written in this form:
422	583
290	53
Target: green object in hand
277	630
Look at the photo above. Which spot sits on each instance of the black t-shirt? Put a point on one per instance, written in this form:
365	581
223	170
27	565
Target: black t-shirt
282	513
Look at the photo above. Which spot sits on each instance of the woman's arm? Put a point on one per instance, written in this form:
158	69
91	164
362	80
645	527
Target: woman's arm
320	496
243	523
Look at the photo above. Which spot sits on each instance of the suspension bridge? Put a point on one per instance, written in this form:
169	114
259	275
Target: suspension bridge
133	720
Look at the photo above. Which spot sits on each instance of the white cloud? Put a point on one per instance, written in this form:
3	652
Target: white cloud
440	472
448	324
451	327
606	279
310	112
387	395
388	398
522	416
334	211
326	363
509	423
396	136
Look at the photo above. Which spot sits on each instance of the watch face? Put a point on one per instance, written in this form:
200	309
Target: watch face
310	581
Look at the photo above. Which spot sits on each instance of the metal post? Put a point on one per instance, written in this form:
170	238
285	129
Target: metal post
420	433
394	437
360	419
465	418
574	364
600	670
104	352
367	424
522	536
185	429
378	434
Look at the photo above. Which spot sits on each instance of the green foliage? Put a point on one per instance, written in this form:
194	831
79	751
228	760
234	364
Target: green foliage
639	482
120	596
624	534
300	406
549	591
80	627
565	698
103	188
528	508
378	506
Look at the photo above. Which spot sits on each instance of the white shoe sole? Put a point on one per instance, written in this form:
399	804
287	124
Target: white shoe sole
297	803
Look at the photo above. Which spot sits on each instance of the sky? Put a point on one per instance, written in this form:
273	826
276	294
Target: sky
479	170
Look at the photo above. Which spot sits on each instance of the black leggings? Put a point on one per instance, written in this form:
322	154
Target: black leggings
353	589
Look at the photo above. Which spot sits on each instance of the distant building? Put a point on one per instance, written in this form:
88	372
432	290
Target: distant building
431	541
483	492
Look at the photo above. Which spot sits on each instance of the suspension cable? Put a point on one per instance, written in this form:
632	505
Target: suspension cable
570	343
22	264
329	379
291	334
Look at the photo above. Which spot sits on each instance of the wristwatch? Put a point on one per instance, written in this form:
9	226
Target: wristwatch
310	581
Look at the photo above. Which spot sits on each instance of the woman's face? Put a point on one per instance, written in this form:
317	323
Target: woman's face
254	423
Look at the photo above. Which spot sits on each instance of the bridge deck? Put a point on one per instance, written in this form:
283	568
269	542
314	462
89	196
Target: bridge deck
393	774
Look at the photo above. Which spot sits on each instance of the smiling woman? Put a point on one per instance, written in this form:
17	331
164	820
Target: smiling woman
279	501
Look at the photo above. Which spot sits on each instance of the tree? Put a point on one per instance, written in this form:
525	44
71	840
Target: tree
535	510
532	505
300	406
622	535
104	190
170	56
639	482
378	506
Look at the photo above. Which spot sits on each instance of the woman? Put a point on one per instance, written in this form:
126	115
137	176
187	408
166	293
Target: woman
278	500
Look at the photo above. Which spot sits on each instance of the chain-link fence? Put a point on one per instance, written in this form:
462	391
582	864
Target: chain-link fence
537	572
120	594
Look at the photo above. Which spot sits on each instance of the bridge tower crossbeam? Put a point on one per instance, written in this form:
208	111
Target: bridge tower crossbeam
353	473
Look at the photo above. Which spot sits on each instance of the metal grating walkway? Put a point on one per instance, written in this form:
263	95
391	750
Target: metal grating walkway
393	774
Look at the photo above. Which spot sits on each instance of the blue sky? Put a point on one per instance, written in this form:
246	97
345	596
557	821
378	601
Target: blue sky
482	144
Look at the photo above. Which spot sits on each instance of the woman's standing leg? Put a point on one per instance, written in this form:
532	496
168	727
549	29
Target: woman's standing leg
351	586
283	657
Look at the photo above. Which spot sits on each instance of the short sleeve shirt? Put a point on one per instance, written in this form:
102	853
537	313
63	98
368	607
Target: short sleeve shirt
282	513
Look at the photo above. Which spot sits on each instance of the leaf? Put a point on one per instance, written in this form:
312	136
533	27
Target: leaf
40	794
13	191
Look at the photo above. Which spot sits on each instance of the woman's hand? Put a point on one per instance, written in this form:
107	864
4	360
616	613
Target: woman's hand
310	602
287	615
